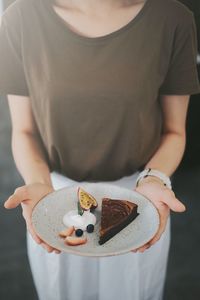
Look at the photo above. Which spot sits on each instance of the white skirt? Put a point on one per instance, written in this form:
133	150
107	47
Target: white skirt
131	276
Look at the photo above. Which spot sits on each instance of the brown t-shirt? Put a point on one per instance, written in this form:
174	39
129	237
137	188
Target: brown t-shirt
96	100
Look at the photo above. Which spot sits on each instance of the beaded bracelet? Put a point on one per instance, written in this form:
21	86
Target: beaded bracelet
153	172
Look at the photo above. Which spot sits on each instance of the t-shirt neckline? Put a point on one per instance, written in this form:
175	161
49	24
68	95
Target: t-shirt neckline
97	39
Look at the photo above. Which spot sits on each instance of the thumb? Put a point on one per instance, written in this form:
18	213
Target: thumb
19	195
12	202
173	203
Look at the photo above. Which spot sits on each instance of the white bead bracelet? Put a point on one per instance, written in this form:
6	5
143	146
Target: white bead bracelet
152	172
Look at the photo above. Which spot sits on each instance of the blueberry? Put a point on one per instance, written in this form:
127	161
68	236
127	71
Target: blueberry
79	232
90	228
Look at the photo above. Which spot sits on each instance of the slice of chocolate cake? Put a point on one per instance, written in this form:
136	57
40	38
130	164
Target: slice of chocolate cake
115	215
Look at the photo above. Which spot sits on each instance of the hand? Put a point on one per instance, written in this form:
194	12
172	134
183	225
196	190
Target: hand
163	199
28	196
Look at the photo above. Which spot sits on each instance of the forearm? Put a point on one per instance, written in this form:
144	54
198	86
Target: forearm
29	158
169	154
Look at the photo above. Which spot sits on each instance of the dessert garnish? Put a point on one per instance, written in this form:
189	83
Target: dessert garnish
66	232
74	241
90	228
79	232
86	200
80	220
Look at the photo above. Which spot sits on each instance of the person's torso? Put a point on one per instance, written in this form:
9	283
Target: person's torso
96	100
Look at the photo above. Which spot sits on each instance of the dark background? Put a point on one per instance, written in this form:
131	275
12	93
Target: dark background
183	274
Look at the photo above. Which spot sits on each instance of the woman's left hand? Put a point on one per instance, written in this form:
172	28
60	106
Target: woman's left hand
164	199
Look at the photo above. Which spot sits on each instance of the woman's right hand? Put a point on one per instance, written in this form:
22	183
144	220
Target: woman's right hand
28	196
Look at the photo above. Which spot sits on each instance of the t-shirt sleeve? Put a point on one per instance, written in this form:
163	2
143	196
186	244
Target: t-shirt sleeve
12	75
182	76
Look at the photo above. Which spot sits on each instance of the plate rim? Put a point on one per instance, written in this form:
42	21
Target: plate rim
73	250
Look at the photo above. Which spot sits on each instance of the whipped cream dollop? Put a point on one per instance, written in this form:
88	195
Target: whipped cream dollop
72	218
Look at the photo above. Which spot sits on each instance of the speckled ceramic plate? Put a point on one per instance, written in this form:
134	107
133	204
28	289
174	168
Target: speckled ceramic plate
48	214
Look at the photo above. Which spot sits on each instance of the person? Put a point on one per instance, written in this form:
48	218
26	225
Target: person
98	91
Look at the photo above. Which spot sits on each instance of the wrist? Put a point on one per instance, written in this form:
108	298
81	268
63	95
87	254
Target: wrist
44	181
149	179
156	175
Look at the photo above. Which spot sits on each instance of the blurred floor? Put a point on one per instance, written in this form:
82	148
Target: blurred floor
184	264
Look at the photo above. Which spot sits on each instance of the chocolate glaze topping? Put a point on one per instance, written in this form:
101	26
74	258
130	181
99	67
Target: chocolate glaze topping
115	211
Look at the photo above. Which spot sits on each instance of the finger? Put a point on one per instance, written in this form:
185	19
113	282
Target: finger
142	249
173	203
52	249
163	223
157	237
20	194
48	248
13	201
57	251
135	250
145	246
